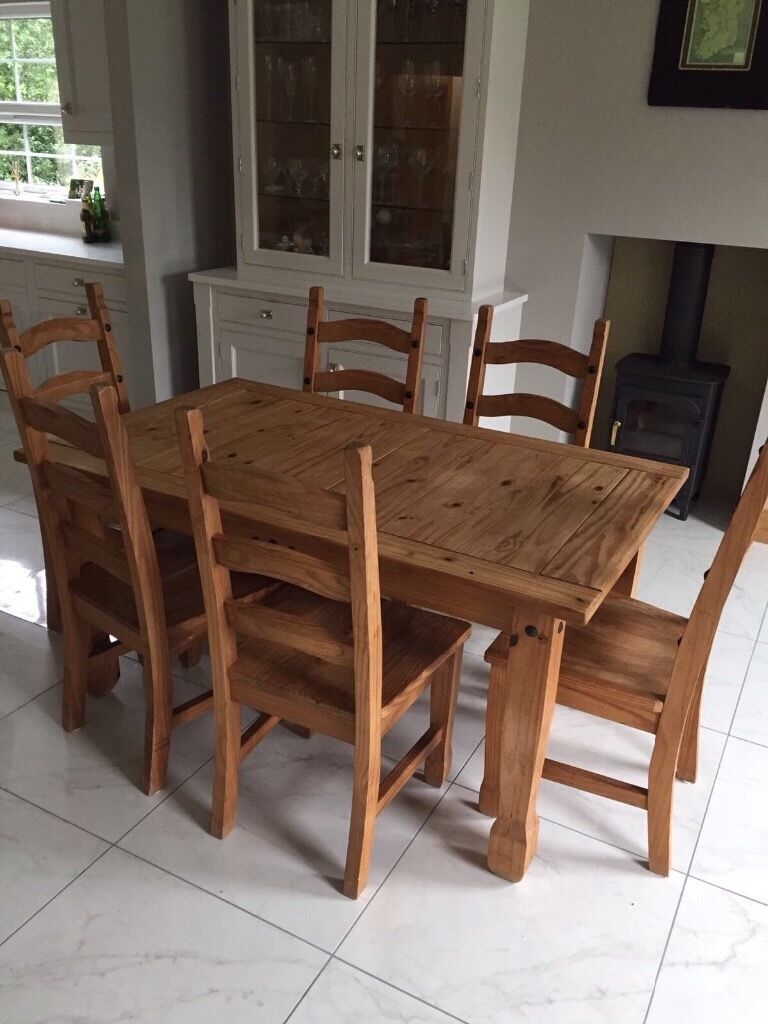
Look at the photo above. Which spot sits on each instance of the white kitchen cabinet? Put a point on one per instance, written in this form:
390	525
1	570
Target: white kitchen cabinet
374	148
359	357
80	39
261	356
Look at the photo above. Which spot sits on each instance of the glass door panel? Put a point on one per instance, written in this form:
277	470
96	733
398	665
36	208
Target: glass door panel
292	57
417	103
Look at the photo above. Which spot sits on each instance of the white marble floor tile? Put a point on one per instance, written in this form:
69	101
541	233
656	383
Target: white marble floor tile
343	995
469	727
611	749
126	942
24	597
15	483
21	550
751	720
39	855
91	777
579	940
727	669
733	848
284	860
481	639
716	965
30	662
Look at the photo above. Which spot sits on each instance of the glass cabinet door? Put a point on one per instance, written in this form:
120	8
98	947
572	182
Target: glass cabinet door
293	103
415	160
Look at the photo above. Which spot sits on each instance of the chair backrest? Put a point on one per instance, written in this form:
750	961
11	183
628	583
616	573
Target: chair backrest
699	633
96	329
587	368
409	343
77	506
339	560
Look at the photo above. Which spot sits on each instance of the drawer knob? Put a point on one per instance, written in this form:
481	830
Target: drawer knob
81	310
79	282
266	314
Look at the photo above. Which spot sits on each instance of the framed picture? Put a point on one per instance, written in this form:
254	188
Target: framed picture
711	53
79	187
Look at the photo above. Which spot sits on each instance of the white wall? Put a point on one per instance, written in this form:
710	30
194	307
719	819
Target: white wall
595	160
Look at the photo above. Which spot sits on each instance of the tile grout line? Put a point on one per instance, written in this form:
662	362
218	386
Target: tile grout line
731	892
402	991
309	988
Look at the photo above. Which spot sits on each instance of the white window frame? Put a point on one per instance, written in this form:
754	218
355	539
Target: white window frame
30	113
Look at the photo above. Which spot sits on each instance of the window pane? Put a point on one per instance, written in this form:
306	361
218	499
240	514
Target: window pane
11	137
5	168
90	169
7	86
45	138
38	83
51	171
5	38
33	37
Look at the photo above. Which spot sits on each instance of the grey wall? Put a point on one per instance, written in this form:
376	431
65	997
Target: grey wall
596	162
169	76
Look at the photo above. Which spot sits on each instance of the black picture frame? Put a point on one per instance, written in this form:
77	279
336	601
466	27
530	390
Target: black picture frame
677	81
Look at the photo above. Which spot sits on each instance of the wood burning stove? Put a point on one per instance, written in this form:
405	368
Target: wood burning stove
666	405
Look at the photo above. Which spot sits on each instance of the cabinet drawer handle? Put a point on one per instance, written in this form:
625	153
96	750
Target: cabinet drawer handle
81	310
266	314
360	153
79	282
336	151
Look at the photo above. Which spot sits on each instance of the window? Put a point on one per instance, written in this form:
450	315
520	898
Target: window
31	139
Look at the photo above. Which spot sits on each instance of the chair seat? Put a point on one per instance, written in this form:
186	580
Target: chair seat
182	591
284	682
628	645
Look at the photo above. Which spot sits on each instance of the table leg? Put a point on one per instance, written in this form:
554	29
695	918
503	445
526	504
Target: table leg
523	719
626	584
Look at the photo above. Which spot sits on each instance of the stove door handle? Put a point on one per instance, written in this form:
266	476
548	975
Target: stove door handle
615	427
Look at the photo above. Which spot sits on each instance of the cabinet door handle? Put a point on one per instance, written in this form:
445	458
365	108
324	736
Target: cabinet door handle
333	367
266	314
360	153
336	151
81	310
615	427
79	282
66	108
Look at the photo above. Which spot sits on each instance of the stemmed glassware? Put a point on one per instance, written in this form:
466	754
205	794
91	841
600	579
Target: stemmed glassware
387	160
290	80
421	163
298	170
309	85
408	84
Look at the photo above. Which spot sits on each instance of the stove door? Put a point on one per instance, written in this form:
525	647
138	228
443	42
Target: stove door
657	426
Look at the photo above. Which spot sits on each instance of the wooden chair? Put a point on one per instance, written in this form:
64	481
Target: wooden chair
322	651
643	667
96	330
112	580
409	343
587	368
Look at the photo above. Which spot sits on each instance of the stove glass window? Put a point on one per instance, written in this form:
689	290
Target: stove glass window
657	428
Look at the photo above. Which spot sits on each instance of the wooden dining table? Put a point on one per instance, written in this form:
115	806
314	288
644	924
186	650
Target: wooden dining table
523	535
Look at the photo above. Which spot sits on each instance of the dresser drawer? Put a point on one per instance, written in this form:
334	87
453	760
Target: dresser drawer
71	279
12	273
290	318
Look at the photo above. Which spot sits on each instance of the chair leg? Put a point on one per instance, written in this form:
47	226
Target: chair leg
226	767
661	778
489	797
445	690
688	758
77	643
157	718
365	799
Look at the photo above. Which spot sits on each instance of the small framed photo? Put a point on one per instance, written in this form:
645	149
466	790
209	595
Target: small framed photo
79	187
711	53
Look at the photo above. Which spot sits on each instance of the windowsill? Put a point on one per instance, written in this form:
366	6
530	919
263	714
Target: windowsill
38	212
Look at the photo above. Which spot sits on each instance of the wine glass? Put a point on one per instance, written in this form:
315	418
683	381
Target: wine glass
271	172
298	171
421	163
268	104
434	88
408	83
309	84
290	86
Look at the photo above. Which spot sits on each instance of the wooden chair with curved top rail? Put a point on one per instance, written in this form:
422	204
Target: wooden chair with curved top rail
323	650
96	330
111	578
642	667
409	343
587	368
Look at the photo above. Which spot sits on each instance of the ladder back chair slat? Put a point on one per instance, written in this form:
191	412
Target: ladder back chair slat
409	343
587	368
